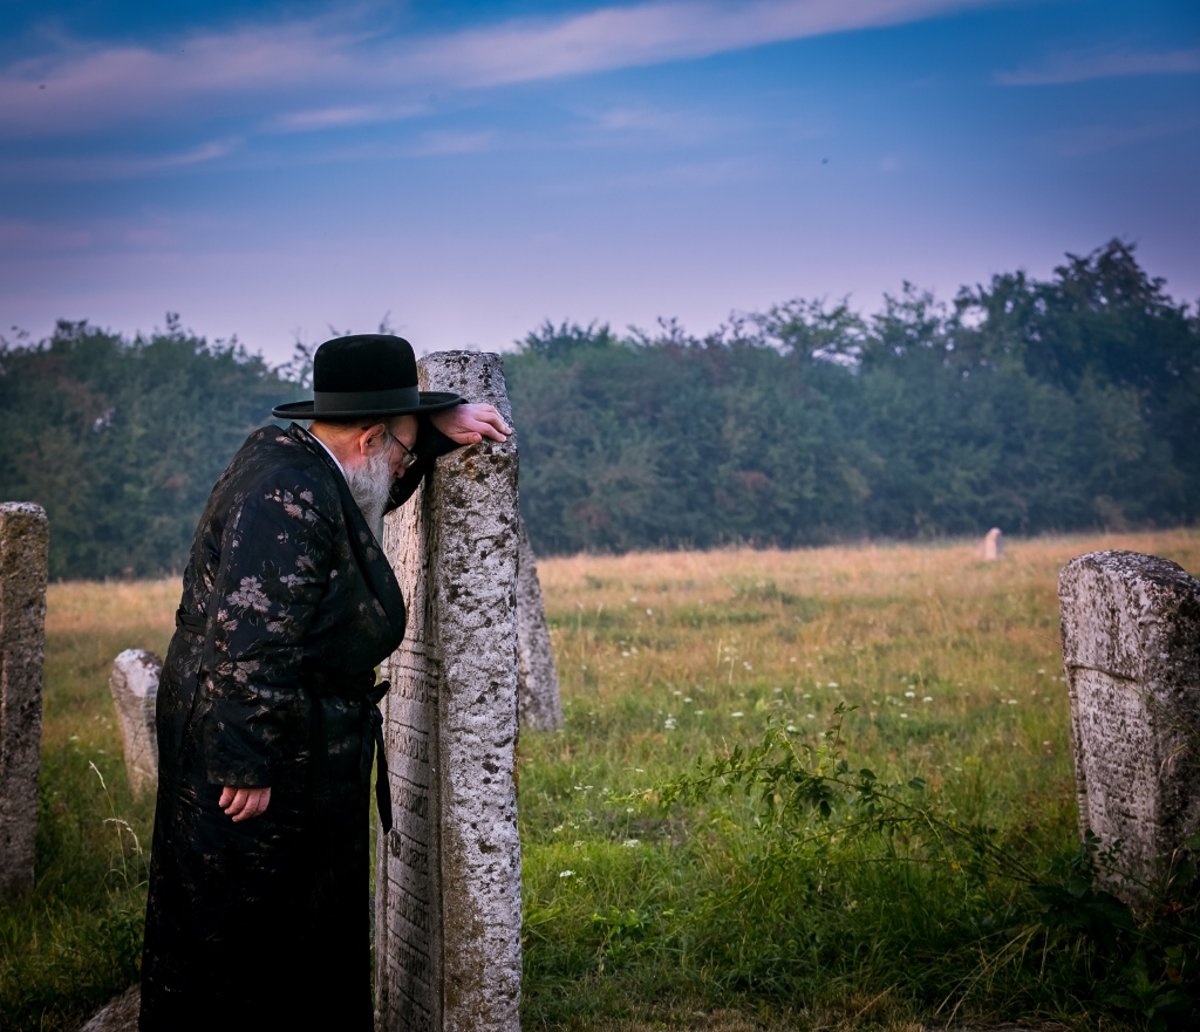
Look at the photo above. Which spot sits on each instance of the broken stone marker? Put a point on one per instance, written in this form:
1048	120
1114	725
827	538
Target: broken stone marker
539	704
1131	647
24	550
134	686
448	881
120	1014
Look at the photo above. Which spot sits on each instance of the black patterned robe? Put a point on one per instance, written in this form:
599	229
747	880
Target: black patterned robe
288	606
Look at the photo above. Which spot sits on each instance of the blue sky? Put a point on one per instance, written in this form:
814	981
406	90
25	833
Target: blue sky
470	170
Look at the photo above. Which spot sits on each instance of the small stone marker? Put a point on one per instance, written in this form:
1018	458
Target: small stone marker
448	877
24	551
992	545
539	703
1131	647
120	1014
134	686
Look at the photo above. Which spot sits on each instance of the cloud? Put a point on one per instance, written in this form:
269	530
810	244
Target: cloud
111	166
707	174
623	119
25	236
652	33
330	72
315	119
436	144
627	124
84	87
1086	65
58	235
1083	141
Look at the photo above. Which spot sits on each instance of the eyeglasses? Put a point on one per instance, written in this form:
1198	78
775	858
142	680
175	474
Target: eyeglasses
409	458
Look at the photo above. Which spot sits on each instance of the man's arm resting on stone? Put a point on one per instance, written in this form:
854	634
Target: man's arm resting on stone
439	434
470	424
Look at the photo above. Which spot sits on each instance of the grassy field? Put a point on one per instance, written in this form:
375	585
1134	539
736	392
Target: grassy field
817	789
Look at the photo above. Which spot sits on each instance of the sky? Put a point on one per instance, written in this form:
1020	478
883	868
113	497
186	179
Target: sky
283	170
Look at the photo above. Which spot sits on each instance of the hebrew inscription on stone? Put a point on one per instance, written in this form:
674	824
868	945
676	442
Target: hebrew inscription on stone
1131	648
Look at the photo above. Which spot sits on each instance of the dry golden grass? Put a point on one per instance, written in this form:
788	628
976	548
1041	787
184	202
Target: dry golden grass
917	633
141	608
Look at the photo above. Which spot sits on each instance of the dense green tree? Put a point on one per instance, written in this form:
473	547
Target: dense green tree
121	441
1033	406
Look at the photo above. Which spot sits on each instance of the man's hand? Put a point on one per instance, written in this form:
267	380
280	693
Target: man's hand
243	803
470	424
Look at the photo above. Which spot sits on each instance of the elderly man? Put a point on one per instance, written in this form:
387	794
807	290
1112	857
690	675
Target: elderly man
267	709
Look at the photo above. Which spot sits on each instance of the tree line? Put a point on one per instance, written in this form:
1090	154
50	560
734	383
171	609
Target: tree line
1066	404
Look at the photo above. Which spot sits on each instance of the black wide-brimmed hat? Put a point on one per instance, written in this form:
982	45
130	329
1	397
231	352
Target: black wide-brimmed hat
367	374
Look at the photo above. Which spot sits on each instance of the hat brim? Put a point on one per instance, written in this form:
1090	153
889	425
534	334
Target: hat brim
431	401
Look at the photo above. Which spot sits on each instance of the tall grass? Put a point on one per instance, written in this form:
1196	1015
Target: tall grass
948	669
76	940
715	912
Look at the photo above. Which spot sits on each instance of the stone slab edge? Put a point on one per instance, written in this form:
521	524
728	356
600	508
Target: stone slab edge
24	551
540	700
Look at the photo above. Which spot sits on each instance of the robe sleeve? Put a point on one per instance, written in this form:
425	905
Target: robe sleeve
276	556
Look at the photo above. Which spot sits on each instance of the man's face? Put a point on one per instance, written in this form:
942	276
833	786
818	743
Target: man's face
404	430
372	465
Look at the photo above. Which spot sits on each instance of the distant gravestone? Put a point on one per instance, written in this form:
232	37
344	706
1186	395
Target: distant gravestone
992	545
1131	647
24	550
539	703
448	881
134	686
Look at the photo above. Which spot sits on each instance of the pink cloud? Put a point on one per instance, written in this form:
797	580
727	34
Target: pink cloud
81	87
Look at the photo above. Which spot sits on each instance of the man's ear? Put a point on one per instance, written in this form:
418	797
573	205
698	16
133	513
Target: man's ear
371	437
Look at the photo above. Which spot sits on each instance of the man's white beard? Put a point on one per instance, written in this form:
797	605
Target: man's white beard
370	484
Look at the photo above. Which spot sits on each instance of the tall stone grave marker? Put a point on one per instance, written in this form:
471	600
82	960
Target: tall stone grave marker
448	881
539	703
1131	647
24	549
134	687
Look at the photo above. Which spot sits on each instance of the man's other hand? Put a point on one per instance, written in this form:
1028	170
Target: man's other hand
470	424
243	803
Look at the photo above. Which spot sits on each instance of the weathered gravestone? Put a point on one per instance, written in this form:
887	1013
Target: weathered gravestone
24	542
134	687
992	545
448	875
1131	647
539	704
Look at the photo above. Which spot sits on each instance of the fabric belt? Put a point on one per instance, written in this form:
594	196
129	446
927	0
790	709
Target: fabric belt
369	694
190	622
362	689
